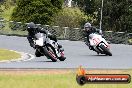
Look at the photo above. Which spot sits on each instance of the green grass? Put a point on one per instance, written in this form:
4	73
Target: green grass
8	55
11	32
67	80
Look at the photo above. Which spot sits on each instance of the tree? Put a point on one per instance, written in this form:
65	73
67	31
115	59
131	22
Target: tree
116	15
90	7
38	11
87	5
71	17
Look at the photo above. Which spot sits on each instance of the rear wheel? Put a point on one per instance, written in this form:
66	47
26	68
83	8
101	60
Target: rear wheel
106	51
49	52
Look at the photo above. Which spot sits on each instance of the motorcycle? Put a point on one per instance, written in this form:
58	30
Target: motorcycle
49	48
99	44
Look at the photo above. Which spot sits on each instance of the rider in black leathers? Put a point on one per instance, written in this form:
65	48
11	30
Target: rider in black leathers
88	29
33	29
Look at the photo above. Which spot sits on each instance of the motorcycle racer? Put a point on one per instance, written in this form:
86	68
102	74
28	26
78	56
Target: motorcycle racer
88	29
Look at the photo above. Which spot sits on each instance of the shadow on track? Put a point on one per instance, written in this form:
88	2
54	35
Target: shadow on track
48	61
100	55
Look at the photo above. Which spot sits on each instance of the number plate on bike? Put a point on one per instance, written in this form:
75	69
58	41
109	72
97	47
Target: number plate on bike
96	41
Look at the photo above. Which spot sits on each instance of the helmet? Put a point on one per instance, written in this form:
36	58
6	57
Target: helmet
87	26
31	26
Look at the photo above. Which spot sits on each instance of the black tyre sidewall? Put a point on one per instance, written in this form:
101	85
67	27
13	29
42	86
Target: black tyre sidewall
62	58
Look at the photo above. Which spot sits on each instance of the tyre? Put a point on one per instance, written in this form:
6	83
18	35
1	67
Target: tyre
49	52
81	80
106	51
61	58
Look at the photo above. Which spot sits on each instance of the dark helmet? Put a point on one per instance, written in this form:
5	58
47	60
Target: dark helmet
31	26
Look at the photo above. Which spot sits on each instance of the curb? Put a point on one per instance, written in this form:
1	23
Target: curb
24	57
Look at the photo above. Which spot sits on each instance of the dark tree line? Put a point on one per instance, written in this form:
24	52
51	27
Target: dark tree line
117	14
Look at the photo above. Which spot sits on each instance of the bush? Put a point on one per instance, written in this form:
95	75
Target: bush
71	17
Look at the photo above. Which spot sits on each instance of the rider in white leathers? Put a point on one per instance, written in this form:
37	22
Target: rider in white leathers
88	30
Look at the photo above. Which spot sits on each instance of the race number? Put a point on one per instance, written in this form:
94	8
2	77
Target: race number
96	41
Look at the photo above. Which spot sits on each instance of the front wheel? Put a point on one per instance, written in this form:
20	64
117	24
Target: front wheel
106	51
62	57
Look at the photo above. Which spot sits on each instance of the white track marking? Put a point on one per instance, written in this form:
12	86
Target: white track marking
24	57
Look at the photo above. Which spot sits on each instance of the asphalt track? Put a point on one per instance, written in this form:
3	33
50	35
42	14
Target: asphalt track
77	54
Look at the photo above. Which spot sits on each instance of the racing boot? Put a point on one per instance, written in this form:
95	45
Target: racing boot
88	44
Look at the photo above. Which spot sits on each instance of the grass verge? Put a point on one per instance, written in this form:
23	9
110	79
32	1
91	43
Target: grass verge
51	79
8	55
10	32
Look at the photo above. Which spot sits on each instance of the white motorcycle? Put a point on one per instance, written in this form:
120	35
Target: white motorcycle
99	44
47	47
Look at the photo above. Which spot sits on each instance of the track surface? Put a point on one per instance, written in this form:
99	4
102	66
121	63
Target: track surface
77	54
